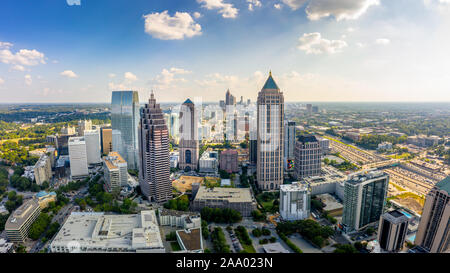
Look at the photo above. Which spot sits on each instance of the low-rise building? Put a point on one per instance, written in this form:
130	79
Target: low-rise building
6	247
275	248
179	219
239	199
18	224
190	240
384	146
96	232
44	198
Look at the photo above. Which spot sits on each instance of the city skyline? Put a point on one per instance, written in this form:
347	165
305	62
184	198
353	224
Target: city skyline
357	51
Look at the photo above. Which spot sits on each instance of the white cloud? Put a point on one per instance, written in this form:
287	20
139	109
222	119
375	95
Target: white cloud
350	29
18	67
22	57
73	2
227	10
5	45
197	15
253	3
360	45
168	78
165	27
111	75
343	9
69	74
130	76
382	41
277	6
313	43
2	81
294	4
28	80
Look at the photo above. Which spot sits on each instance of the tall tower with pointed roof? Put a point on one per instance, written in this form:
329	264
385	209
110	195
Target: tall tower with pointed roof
189	141
270	128
154	164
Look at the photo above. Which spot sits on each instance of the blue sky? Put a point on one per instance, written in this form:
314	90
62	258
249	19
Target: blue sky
318	50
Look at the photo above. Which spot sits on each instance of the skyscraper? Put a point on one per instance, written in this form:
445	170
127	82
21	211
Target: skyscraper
434	229
84	125
270	127
189	145
289	144
392	230
154	160
124	121
364	199
92	138
78	157
307	157
106	140
229	98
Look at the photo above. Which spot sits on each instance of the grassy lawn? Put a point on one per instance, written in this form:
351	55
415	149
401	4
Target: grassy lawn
406	195
175	246
397	187
249	248
402	156
211	182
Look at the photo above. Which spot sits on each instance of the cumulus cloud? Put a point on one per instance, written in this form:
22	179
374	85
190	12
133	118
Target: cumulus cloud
23	57
197	15
5	45
277	6
253	3
382	41
168	78
165	27
313	43
343	9
73	2
69	74
294	4
130	76
28	80
227	10
2	81
18	67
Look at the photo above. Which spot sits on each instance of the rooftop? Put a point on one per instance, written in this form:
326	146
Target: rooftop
113	160
275	248
295	186
229	194
307	138
444	184
20	215
270	83
191	239
133	231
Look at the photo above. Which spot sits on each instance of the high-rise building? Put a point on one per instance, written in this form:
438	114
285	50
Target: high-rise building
229	161
315	109
309	108
229	98
392	230
189	142
84	125
78	157
69	130
92	138
253	147
18	225
295	201
43	170
307	157
124	120
289	145
154	173
270	124
106	139
174	126
115	171
364	199
433	234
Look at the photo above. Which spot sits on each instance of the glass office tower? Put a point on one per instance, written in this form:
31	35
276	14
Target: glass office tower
125	117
